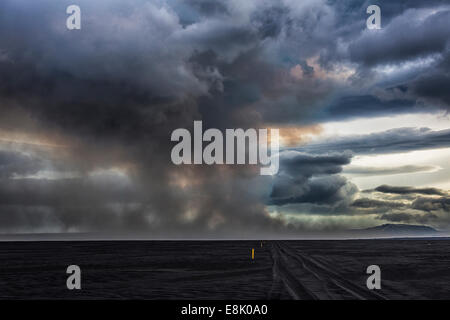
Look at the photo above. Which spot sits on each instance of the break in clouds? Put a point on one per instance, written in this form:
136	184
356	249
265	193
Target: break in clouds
86	115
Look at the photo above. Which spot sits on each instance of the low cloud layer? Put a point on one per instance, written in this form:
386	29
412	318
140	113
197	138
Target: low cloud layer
408	205
391	141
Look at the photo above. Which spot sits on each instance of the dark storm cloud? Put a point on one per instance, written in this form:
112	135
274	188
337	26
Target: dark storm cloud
390	141
120	85
373	203
432	204
408	190
433	85
297	164
288	36
325	190
207	8
305	30
369	105
137	70
413	44
408	36
410	205
409	218
311	179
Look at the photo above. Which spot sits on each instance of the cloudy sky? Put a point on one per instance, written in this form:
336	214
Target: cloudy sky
86	115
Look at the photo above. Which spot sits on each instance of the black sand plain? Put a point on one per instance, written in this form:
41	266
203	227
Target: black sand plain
306	269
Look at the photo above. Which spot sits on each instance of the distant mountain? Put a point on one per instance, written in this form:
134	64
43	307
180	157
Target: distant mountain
394	230
401	228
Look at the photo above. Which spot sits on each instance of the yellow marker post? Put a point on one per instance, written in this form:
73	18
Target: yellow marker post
253	254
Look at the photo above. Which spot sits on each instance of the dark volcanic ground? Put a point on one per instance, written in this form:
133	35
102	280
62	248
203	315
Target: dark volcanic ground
332	269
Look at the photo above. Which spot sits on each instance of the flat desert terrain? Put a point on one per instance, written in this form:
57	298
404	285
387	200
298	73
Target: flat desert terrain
329	269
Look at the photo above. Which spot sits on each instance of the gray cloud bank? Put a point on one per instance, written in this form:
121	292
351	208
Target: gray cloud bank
408	205
390	141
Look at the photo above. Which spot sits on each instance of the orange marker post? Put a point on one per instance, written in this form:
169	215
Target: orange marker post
253	254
